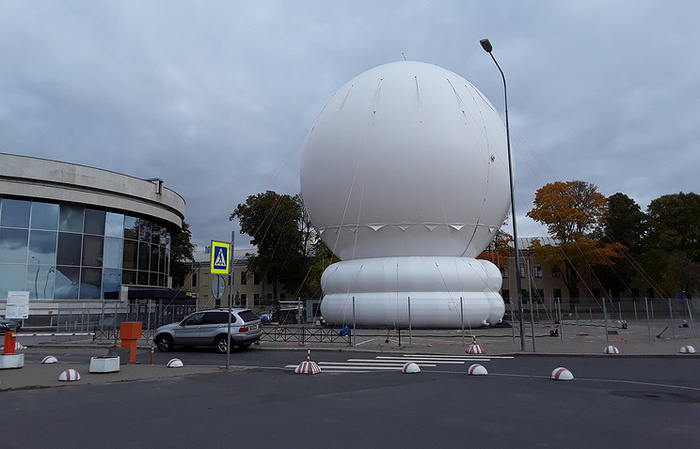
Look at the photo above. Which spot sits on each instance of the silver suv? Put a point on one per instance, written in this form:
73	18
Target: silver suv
208	328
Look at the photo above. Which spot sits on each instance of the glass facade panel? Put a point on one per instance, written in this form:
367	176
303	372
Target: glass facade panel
71	218
44	216
11	278
111	281
67	281
42	247
130	254
142	278
131	228
112	253
13	245
14	213
144	253
94	222
155	234
69	248
114	225
40	281
128	277
92	251
144	231
91	283
154	257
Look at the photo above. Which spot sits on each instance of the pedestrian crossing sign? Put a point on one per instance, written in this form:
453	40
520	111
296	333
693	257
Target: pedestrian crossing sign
220	257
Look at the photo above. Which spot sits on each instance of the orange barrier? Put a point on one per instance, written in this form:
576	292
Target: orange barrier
10	340
130	332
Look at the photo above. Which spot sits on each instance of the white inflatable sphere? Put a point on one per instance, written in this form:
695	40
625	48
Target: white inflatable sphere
407	159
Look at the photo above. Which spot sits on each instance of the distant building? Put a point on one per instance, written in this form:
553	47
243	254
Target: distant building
549	289
77	237
250	291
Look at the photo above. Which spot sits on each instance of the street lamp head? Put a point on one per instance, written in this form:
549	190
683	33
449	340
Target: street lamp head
486	45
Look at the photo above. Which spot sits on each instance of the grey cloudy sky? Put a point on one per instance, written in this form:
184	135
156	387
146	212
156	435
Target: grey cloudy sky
215	97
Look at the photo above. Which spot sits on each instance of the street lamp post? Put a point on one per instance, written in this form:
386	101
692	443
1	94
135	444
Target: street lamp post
486	45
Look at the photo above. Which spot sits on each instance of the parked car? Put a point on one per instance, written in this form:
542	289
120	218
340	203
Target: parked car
7	324
209	328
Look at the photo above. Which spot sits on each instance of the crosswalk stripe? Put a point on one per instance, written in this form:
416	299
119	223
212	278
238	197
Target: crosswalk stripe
389	363
419	361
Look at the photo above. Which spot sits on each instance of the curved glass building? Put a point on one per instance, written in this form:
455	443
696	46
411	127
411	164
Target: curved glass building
74	233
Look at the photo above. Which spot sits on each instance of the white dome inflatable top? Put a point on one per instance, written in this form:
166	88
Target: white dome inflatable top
406	159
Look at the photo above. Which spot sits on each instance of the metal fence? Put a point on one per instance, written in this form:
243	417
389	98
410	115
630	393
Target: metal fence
105	323
303	334
626	309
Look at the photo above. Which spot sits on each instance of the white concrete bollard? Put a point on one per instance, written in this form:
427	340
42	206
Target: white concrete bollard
561	373
69	375
410	368
477	370
175	363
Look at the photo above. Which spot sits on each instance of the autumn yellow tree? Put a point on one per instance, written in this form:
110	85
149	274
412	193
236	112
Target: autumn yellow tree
499	249
574	213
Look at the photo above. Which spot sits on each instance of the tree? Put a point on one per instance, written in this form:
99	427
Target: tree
322	258
181	255
575	215
499	249
279	228
625	224
673	242
625	221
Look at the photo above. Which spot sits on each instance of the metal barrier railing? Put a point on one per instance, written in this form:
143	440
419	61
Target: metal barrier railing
304	334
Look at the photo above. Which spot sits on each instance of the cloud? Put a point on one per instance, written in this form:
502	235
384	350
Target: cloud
216	97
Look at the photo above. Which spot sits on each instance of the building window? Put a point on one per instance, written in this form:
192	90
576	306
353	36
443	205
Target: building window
256	279
650	293
244	277
555	273
256	299
504	270
557	293
506	294
538	270
522	270
194	279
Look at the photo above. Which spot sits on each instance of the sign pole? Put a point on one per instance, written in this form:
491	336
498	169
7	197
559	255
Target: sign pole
230	298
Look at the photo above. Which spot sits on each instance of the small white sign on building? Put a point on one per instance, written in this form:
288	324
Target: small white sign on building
17	305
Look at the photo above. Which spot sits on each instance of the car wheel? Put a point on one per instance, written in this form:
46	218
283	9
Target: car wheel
221	344
164	343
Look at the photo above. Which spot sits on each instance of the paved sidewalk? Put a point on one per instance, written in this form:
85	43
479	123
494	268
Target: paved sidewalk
639	339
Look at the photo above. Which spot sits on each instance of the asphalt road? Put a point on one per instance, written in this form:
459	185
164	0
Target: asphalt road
613	402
